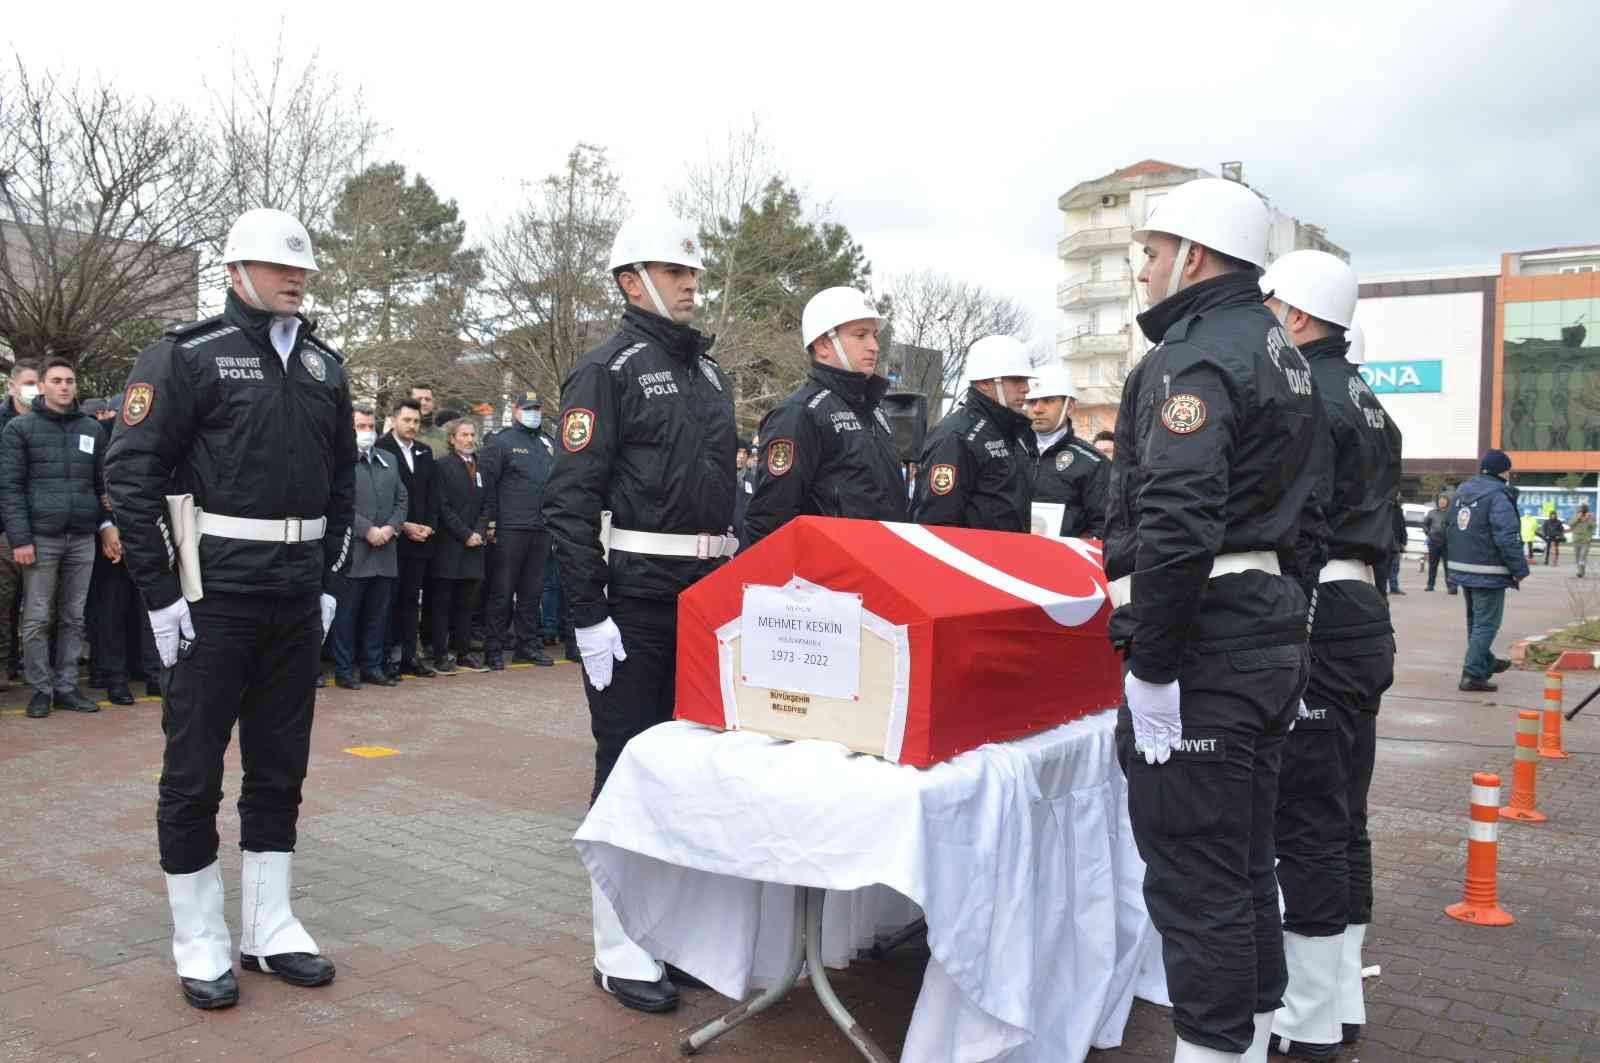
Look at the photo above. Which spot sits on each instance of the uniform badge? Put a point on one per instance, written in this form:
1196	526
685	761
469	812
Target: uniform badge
711	374
942	479
1064	460
314	365
1183	414
1463	518
577	428
780	456
688	245
136	406
295	243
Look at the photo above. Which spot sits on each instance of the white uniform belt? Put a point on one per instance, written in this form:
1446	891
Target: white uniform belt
259	530
704	545
1121	590
1334	571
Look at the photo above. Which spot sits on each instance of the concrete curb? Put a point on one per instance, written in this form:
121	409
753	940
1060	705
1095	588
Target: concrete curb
1576	661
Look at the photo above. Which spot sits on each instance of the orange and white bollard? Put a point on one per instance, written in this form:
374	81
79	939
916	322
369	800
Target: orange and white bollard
1550	736
1523	770
1478	901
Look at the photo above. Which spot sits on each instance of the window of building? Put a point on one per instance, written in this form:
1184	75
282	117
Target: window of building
1551	376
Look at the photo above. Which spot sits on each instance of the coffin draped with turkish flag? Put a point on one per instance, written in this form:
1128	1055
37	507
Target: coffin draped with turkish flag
965	637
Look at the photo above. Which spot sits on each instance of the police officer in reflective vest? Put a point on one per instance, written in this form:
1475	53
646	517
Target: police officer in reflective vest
1210	528
249	413
976	468
647	437
1070	472
829	450
1324	853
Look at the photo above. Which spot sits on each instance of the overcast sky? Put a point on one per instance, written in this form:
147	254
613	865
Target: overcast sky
1417	134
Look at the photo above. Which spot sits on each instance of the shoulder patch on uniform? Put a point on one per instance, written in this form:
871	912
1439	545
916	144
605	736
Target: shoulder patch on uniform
942	479
577	428
620	359
816	400
314	365
136	403
780	456
207	337
1464	517
1182	414
709	369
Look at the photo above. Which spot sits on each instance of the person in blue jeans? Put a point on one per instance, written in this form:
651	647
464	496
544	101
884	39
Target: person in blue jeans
361	620
1483	554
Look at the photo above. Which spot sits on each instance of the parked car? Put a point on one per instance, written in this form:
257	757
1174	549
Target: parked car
1416	538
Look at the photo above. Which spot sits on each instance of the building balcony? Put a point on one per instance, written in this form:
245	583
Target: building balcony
1088	242
1083	343
1100	395
1114	289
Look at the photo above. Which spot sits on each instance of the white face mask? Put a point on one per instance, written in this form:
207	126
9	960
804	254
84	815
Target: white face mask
364	440
28	392
530	418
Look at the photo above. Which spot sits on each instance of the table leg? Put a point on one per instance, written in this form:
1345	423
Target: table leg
819	982
714	1029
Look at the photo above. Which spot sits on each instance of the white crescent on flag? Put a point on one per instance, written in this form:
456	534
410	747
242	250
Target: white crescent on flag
1064	609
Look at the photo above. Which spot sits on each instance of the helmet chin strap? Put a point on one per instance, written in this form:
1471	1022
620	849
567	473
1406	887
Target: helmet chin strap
650	287
250	295
1284	310
1178	260
1061	420
838	349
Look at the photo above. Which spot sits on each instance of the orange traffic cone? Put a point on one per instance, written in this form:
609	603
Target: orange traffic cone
1522	772
1550	736
1478	903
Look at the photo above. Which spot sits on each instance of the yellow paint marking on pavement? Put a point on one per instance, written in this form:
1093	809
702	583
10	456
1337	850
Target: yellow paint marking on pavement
372	751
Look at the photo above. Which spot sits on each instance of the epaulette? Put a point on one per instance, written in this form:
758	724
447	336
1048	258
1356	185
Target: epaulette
191	336
1086	450
977	427
620	359
816	399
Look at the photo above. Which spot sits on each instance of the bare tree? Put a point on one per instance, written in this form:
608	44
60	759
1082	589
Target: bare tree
547	294
934	311
105	201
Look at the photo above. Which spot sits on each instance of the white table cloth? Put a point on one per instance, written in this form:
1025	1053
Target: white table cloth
1019	855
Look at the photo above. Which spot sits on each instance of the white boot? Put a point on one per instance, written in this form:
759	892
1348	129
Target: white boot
1257	1052
267	923
201	945
1309	1018
1189	1052
615	954
1352	1000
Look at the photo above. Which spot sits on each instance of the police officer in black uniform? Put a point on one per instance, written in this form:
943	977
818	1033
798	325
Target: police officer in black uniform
1069	472
976	468
1210	530
1324	853
829	448
516	465
250	414
646	436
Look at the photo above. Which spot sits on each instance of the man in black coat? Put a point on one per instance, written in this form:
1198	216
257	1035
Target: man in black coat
118	626
52	477
516	466
418	472
465	512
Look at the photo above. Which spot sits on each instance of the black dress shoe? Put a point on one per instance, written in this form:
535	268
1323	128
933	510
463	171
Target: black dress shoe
418	669
344	683
536	658
377	679
659	995
495	663
683	979
1301	1050
39	706
218	993
76	701
1501	664
1470	683
296	968
119	694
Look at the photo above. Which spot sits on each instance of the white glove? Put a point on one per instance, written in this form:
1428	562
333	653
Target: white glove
600	645
169	625
1157	724
330	605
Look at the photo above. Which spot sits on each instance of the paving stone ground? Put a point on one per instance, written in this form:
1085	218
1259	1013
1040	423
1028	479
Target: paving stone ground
443	881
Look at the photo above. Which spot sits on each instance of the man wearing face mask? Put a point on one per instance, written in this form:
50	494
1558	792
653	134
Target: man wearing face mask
250	415
976	468
829	450
1211	536
362	619
646	428
21	390
516	465
1069	471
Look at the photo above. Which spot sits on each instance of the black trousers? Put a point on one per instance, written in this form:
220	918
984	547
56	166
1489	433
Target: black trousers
1203	823
1318	843
1359	848
1436	557
641	691
117	623
254	660
452	616
403	619
519	571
